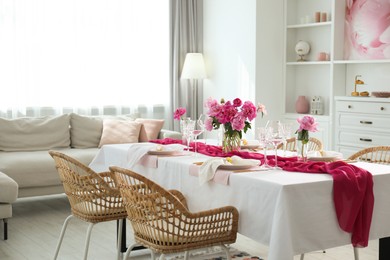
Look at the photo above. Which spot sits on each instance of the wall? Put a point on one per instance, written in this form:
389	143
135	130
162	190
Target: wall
243	50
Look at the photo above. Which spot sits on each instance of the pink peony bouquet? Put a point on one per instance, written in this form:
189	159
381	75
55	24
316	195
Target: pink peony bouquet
235	116
179	112
306	124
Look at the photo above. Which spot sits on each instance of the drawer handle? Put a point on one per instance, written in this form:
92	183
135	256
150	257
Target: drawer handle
382	108
365	140
366	122
349	106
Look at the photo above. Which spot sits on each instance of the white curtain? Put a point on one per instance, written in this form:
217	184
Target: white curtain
186	36
84	55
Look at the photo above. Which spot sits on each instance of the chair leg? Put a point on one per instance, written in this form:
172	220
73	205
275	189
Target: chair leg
87	239
119	243
186	253
302	256
162	257
64	226
5	228
226	249
356	253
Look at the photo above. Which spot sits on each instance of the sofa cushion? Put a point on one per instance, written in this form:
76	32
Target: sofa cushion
150	128
119	132
37	168
32	134
86	131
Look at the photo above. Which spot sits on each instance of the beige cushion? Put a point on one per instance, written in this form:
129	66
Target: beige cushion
85	131
32	134
119	132
150	128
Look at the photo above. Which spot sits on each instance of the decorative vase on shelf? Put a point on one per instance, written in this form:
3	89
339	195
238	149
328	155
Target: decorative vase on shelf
302	105
231	141
302	150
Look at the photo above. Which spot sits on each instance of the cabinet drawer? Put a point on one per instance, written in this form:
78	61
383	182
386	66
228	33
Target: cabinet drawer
363	107
369	122
362	139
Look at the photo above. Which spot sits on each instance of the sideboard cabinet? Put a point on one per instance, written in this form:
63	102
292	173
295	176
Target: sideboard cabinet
361	122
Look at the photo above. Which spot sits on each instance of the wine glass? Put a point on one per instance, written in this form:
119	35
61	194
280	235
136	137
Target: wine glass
188	126
274	127
196	132
264	137
286	133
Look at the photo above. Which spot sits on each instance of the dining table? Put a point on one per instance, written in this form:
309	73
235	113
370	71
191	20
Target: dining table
291	212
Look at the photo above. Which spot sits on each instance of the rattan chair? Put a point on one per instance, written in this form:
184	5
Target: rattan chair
377	154
314	144
93	197
162	222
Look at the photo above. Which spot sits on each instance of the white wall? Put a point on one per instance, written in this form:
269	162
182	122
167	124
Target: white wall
243	49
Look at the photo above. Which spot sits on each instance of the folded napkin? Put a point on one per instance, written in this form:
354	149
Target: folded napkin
210	166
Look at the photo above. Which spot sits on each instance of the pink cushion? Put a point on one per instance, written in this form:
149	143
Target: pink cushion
119	132
150	128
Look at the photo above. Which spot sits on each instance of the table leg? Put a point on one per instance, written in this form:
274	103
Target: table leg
384	248
123	243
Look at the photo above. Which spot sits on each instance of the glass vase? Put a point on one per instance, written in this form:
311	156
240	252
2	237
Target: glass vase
231	142
302	150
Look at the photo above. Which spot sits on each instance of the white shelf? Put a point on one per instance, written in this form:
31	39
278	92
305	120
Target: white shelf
305	63
308	25
361	61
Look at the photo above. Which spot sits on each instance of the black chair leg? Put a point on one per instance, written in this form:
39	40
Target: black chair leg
5	229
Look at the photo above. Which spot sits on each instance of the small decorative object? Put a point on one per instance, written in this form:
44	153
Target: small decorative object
178	115
316	106
306	124
317	17
234	117
302	48
302	105
321	56
324	17
357	82
382	94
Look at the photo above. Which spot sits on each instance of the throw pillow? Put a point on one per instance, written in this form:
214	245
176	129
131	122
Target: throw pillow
119	132
34	133
150	128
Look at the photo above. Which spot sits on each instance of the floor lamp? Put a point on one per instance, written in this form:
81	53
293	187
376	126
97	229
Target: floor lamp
194	69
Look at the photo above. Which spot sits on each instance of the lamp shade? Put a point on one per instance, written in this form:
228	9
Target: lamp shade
193	67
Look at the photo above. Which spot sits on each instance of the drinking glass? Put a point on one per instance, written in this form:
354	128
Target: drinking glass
286	131
264	136
274	128
188	127
198	130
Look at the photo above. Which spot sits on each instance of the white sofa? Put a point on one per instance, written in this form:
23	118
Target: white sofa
25	142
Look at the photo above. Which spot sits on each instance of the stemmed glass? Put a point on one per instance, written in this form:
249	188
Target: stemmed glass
188	127
196	132
286	133
274	127
264	137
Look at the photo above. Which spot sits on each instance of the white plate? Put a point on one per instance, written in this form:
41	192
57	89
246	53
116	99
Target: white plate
235	166
250	146
323	159
164	152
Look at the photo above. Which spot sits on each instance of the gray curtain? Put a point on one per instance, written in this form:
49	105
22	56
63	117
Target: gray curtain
186	36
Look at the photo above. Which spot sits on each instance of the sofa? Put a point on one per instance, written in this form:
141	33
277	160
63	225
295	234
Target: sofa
25	142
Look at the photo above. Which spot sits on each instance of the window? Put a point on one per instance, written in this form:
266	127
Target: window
80	53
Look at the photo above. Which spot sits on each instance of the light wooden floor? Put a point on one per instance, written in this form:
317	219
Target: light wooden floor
36	224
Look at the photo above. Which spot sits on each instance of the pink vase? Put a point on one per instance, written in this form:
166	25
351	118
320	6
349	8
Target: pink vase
302	105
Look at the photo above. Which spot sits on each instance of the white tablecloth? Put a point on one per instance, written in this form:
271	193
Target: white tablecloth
291	212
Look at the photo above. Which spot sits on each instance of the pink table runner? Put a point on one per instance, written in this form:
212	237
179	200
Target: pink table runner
352	187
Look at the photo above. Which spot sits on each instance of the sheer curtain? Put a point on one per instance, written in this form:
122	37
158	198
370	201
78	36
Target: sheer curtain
186	36
89	56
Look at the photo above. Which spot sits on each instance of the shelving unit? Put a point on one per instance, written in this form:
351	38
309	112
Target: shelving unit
327	79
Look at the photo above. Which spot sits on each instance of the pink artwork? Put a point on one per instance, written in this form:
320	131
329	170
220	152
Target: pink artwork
367	29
